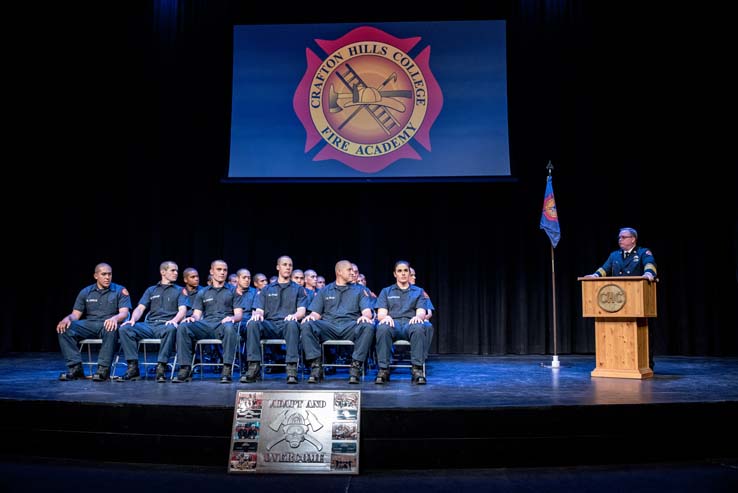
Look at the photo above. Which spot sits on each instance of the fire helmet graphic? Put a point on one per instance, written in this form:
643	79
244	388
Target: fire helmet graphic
367	100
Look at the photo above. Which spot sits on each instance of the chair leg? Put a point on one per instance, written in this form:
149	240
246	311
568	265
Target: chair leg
174	365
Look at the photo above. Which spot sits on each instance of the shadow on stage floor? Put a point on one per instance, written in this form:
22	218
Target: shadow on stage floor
475	412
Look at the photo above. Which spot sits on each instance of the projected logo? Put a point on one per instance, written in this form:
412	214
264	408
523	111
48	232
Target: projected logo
367	100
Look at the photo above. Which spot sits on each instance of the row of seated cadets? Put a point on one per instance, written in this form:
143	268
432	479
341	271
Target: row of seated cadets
343	311
167	304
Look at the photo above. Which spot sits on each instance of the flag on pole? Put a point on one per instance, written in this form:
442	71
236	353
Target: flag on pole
549	216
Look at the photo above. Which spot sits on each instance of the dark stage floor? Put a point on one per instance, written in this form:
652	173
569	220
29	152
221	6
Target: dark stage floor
475	412
683	477
453	382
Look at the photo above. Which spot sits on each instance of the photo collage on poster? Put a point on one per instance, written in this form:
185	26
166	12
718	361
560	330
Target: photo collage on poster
345	432
246	431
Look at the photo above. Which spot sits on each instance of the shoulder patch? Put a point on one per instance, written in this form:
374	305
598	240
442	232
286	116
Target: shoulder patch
365	292
648	252
125	292
184	291
425	295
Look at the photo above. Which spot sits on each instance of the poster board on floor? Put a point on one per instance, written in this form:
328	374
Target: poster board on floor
295	431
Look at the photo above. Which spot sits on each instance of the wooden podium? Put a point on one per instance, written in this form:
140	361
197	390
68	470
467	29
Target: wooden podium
621	307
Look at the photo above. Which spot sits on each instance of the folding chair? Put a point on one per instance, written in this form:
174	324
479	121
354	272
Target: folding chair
339	343
402	347
97	342
199	351
90	363
264	364
142	344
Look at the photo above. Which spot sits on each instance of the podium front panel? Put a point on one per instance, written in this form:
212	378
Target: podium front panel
618	297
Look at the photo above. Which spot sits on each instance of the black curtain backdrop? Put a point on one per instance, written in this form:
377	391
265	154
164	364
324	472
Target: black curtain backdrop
124	115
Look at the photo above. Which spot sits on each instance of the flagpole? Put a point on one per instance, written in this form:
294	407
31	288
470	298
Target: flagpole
555	362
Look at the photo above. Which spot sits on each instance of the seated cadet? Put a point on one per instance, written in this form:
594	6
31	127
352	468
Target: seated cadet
260	280
167	306
104	305
247	294
216	309
341	310
311	281
429	309
319	283
401	314
362	280
298	276
277	312
192	286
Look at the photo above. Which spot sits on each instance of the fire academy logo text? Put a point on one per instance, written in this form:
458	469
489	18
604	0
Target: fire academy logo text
367	100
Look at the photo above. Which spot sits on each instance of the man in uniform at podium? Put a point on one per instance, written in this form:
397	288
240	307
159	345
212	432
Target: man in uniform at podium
630	260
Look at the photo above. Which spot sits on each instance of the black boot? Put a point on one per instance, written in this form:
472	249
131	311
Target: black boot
418	375
226	375
252	374
74	372
355	372
161	372
316	371
132	372
291	373
383	376
103	374
183	375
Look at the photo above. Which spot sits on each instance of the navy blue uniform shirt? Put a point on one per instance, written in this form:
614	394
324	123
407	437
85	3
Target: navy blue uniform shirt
401	303
190	298
279	300
100	304
340	304
216	303
637	263
248	298
162	301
